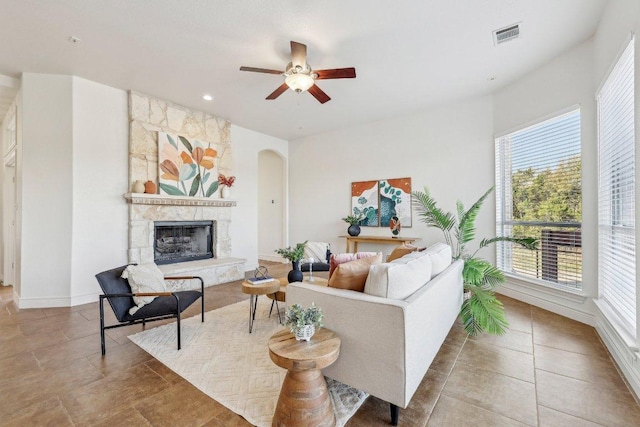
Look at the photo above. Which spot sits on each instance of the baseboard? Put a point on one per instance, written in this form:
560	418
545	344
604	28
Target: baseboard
54	302
272	258
547	304
626	358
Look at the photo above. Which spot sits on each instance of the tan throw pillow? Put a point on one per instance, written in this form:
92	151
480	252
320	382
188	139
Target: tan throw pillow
402	250
352	275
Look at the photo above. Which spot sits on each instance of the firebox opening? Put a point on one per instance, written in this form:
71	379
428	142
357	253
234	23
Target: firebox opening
181	241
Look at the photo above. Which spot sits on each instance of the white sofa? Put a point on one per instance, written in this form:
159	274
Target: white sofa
388	344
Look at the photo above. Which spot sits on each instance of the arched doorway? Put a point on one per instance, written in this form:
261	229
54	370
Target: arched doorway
271	204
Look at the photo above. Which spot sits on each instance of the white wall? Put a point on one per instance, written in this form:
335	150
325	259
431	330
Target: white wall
100	171
244	226
45	194
448	149
271	204
560	84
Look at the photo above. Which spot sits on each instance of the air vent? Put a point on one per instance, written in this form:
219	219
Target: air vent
506	34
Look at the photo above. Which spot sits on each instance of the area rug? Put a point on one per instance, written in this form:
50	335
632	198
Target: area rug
233	367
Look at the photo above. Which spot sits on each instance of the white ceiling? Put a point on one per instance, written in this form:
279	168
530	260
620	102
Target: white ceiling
408	55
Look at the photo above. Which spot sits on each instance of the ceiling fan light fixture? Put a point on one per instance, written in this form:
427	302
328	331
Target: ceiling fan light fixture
299	82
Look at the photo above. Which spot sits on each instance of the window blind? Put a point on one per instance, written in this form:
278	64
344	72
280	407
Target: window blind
539	194
616	191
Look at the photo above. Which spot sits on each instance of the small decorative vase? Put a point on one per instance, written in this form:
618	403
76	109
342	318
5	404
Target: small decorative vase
305	333
353	230
225	193
295	275
138	187
150	187
395	226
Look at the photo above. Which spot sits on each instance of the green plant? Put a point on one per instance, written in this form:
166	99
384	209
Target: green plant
292	254
353	219
298	317
482	311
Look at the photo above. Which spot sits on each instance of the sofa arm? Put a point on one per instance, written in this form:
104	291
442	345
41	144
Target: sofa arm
371	329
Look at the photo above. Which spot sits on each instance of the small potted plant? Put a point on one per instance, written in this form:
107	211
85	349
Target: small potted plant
294	255
303	322
354	224
227	183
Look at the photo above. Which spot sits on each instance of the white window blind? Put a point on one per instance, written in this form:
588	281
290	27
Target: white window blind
539	194
616	191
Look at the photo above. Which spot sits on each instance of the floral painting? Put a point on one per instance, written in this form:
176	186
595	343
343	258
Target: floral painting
186	167
395	200
364	202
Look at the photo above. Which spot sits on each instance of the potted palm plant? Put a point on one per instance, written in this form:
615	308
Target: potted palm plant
481	310
293	254
303	322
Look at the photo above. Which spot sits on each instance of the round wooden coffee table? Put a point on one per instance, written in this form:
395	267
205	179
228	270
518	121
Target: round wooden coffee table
304	399
255	291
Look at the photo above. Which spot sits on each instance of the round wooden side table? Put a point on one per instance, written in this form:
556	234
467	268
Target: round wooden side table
304	399
255	291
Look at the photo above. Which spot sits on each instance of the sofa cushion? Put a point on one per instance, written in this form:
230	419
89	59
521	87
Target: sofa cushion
144	278
338	259
400	278
352	275
440	257
402	250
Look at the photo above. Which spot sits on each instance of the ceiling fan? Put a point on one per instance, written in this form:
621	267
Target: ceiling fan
299	76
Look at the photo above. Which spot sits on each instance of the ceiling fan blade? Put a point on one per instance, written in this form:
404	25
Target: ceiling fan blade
260	70
319	94
336	73
276	93
298	54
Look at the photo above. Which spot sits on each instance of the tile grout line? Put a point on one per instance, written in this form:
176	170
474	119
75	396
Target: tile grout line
446	379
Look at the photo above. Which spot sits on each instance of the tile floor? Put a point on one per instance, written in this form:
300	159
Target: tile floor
547	371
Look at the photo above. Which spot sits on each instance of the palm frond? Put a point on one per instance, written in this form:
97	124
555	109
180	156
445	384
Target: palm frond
483	312
466	231
431	214
526	242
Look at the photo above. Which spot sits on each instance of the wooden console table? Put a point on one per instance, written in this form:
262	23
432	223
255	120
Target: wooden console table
376	239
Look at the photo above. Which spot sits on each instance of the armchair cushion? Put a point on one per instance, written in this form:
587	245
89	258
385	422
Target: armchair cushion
353	275
165	304
316	250
144	278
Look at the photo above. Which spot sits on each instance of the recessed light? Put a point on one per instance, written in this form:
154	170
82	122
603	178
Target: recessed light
207	97
492	78
74	39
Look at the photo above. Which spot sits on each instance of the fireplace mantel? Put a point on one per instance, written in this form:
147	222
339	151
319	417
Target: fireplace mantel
164	199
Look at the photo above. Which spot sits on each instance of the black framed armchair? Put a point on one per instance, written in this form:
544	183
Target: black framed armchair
167	305
321	253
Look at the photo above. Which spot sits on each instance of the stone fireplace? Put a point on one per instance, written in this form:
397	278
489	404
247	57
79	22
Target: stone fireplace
148	116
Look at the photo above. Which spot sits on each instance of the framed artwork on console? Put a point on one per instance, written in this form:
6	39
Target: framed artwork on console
395	200
364	201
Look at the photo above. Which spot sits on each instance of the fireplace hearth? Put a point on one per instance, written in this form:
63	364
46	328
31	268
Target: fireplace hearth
182	241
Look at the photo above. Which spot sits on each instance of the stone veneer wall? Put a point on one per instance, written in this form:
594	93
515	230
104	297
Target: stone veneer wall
148	116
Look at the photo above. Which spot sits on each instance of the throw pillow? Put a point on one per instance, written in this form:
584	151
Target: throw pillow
400	278
316	250
440	257
338	259
144	278
352	275
402	250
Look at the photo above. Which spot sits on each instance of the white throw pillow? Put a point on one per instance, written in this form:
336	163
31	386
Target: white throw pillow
400	278
316	250
440	257
144	278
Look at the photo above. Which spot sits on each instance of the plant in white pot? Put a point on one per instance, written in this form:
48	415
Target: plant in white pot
303	322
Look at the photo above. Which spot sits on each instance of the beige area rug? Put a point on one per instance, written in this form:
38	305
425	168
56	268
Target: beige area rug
233	367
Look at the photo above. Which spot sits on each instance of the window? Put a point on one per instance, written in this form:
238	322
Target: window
539	194
616	192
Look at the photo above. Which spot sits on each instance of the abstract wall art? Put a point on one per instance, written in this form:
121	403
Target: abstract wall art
395	200
364	202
